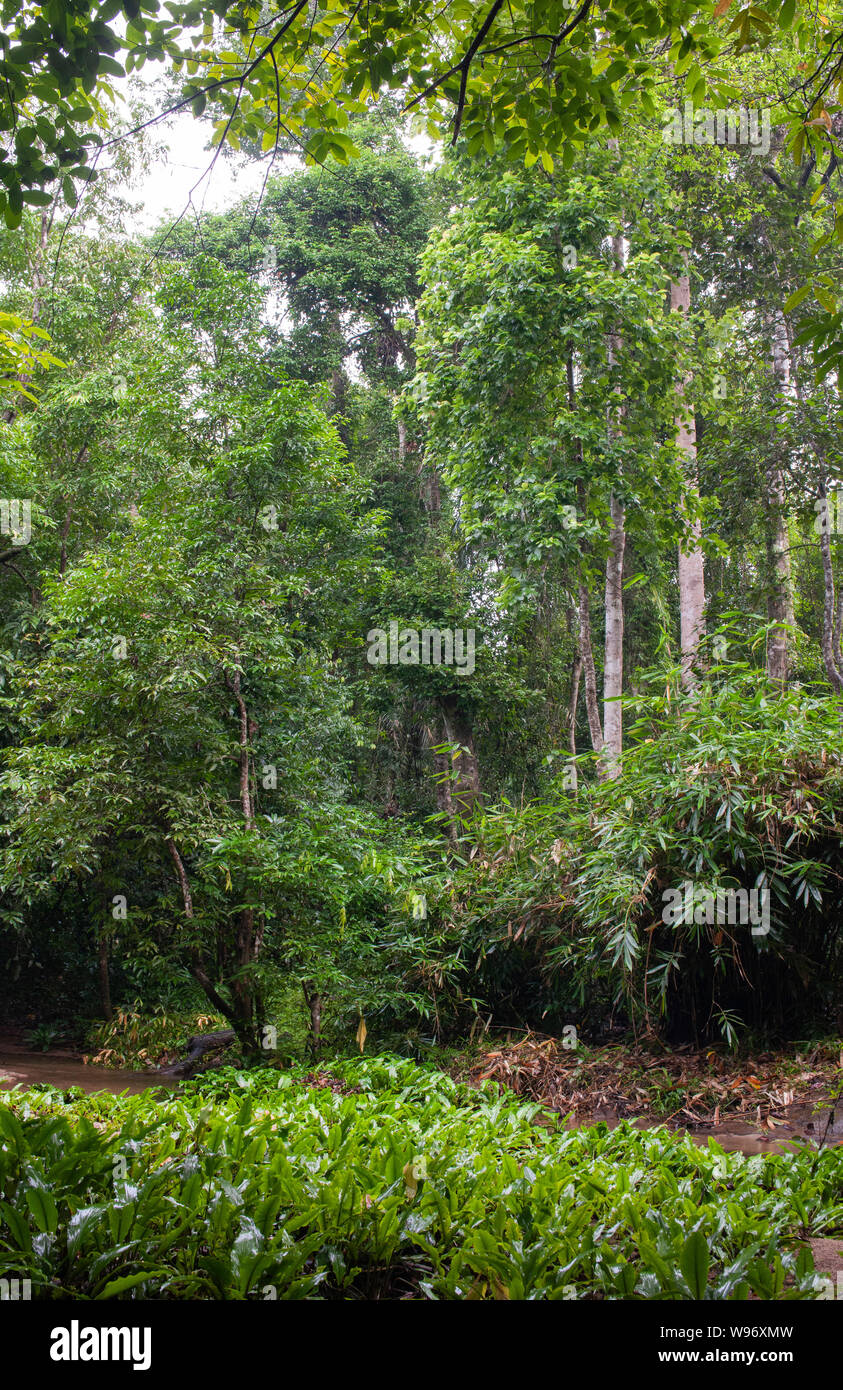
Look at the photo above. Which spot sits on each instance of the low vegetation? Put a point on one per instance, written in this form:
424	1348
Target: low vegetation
391	1182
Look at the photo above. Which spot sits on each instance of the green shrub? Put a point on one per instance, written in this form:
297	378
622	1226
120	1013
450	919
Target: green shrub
558	907
737	786
132	1039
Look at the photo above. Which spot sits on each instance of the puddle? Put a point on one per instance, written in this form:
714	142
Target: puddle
803	1125
20	1067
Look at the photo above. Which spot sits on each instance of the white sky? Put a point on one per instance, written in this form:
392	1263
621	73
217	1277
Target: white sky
164	189
179	158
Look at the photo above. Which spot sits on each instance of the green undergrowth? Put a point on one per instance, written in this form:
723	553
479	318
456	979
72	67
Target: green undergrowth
398	1183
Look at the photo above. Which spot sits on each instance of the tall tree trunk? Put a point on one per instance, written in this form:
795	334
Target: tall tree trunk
592	707
458	730
609	765
832	601
613	660
576	674
247	942
39	263
458	777
585	651
313	999
444	800
691	569
198	968
780	595
339	384
832	606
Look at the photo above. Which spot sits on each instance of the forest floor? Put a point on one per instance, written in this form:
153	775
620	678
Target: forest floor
748	1101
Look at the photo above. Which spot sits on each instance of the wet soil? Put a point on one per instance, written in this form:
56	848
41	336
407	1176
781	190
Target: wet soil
21	1067
800	1125
769	1103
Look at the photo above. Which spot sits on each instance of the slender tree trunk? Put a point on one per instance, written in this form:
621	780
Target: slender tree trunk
198	968
832	608
691	569
613	661
832	602
246	940
780	595
313	999
609	765
592	707
39	263
576	673
585	651
457	780
105	984
339	384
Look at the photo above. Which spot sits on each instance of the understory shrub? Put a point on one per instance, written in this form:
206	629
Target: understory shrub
559	907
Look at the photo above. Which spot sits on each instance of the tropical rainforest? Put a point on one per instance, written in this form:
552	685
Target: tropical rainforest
421	675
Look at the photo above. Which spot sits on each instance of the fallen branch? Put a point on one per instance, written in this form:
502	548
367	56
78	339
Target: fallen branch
197	1046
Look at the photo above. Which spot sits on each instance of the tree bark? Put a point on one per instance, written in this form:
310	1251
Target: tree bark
198	969
39	260
246	941
313	999
576	673
444	799
691	568
457	729
105	984
609	765
197	1046
457	777
780	596
613	661
832	609
592	707
585	651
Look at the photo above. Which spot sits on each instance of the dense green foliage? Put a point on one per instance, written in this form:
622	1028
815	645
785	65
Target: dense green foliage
421	621
385	397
